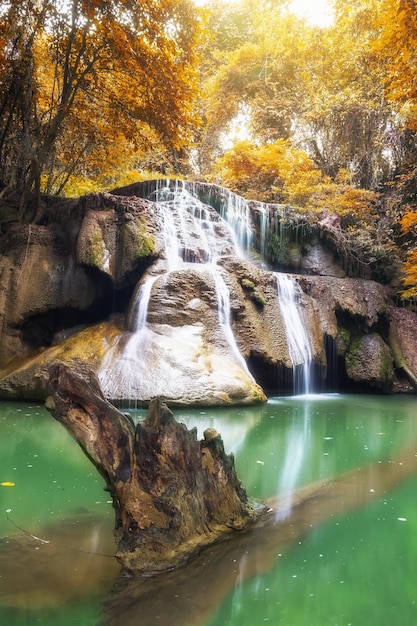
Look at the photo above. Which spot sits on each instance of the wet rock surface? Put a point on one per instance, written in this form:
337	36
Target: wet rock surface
210	311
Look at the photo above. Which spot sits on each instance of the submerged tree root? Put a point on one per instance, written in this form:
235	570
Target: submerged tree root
172	494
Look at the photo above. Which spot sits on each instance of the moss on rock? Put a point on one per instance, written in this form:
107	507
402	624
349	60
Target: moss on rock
369	360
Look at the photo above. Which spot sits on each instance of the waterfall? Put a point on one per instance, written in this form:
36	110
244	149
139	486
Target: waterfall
223	307
235	211
264	229
192	236
198	233
138	313
181	213
299	346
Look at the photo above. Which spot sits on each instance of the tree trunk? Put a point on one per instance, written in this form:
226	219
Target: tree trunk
192	594
172	494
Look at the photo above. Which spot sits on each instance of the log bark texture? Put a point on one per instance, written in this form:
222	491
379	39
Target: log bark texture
172	494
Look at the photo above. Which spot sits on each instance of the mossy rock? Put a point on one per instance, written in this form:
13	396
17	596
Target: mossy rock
343	340
247	284
138	241
259	298
369	360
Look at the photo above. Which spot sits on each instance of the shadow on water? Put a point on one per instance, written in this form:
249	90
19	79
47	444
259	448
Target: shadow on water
65	562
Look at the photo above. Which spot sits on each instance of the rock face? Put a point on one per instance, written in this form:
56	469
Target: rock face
161	297
369	360
183	354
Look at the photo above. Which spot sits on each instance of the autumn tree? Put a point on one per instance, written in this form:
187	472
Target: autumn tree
250	75
346	121
409	231
321	88
273	172
279	172
396	45
77	74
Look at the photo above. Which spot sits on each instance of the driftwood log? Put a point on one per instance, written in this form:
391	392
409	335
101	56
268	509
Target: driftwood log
192	594
172	494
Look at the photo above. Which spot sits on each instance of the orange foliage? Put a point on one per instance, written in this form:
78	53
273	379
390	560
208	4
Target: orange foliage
408	224
87	83
397	45
266	172
410	278
278	172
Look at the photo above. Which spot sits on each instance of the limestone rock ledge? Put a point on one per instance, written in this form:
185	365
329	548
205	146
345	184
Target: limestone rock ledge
184	372
214	332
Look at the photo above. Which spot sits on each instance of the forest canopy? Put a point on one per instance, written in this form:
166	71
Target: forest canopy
87	85
97	93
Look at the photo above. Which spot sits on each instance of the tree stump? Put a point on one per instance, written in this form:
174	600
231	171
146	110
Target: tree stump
172	494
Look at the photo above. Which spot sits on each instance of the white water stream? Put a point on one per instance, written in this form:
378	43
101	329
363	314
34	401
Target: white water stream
186	220
193	235
223	307
299	345
236	213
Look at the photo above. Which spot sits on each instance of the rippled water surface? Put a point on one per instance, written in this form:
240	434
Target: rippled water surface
339	554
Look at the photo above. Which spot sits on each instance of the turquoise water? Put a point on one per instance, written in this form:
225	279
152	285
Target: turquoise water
338	561
58	497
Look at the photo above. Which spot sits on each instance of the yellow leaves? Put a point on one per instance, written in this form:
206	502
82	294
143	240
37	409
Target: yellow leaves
278	172
101	70
410	276
396	47
408	222
408	225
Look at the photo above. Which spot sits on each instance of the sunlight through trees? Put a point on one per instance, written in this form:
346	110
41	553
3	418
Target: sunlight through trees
94	93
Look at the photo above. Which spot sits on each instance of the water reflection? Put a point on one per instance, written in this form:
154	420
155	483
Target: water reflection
73	562
345	533
234	424
241	573
296	449
55	523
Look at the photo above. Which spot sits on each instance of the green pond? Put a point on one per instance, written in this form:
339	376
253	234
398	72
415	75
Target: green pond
344	555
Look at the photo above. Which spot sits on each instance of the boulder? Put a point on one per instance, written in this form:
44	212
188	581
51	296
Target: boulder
70	270
369	361
37	276
319	260
115	237
22	378
347	300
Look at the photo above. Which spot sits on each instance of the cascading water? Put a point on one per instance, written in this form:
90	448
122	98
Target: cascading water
137	316
183	340
196	237
234	210
264	229
182	213
223	307
299	345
